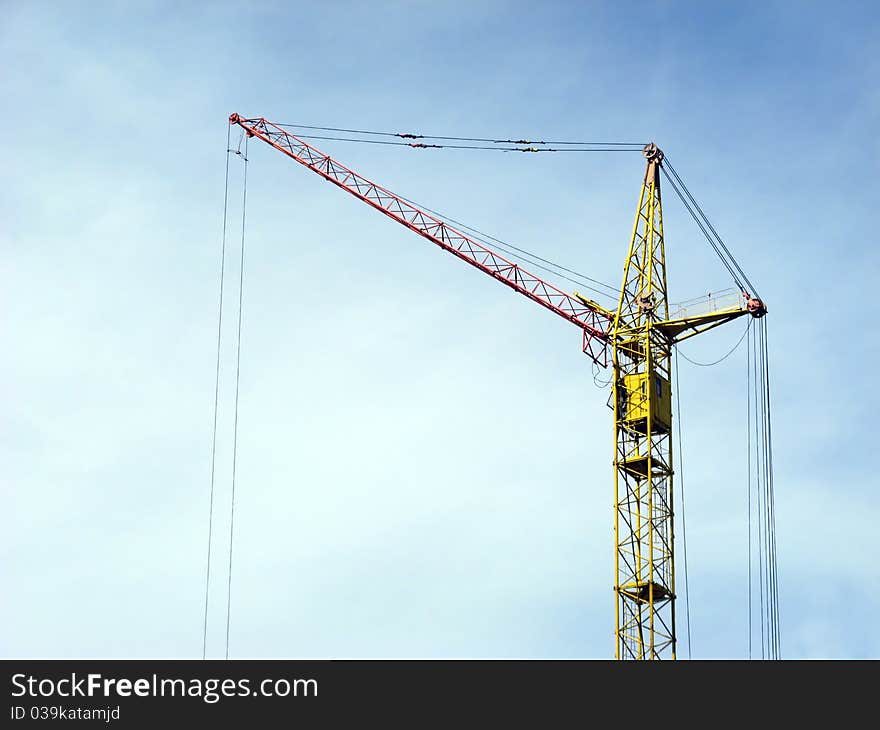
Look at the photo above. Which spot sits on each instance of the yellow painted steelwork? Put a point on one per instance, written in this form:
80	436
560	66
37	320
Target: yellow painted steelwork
635	399
643	336
643	516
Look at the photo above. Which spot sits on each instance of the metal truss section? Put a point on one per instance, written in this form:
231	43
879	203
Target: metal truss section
643	510
596	325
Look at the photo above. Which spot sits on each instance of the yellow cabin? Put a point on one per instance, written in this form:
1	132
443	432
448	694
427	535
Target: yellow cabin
635	399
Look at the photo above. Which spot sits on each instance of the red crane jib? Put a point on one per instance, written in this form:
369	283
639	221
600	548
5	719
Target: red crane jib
596	325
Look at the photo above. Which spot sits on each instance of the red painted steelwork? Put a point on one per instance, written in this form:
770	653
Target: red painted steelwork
596	325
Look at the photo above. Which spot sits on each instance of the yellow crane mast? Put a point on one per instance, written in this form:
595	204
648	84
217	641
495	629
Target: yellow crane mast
643	337
643	516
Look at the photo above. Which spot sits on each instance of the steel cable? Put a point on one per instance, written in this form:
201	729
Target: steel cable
724	253
724	357
216	394
524	254
404	135
749	473
687	593
237	382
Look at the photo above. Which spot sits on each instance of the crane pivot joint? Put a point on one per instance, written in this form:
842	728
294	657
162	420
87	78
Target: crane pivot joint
756	307
652	153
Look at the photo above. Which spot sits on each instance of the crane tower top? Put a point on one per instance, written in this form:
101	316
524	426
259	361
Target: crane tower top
652	153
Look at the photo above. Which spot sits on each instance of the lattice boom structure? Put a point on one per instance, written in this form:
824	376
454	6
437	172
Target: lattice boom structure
596	325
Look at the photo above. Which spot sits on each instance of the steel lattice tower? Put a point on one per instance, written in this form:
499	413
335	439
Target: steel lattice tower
643	516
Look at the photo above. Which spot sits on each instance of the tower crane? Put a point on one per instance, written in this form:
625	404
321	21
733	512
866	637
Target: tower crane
636	340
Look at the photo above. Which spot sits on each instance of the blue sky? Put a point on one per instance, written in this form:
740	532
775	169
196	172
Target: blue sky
424	460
